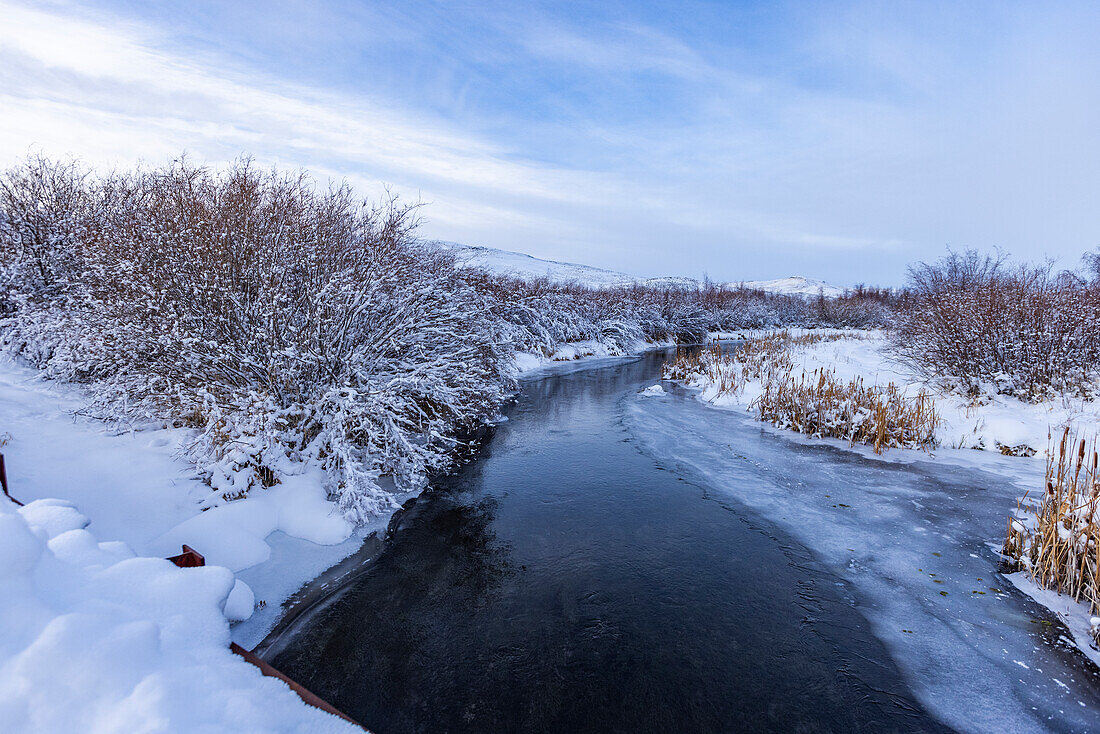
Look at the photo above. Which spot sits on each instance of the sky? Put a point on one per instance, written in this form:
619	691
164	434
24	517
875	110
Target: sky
835	140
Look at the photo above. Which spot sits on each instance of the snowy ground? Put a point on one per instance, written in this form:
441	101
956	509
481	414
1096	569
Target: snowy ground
994	421
93	614
101	633
528	364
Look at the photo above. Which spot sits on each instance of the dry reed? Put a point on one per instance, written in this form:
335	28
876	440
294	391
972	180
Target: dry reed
817	404
1057	539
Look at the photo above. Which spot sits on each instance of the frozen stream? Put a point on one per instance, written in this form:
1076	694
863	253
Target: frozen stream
614	562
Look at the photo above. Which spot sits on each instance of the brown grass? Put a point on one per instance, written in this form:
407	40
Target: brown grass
1061	548
817	404
760	358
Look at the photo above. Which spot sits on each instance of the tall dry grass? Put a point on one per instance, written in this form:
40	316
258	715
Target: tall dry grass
1057	539
729	369
818	403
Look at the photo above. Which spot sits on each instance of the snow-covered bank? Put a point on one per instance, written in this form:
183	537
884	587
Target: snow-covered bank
528	364
93	600
989	422
136	491
98	639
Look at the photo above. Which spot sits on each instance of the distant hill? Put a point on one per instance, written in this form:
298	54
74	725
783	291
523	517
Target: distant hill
795	285
519	265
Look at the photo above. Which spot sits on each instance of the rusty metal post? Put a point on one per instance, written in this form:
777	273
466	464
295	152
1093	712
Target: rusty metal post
191	558
307	696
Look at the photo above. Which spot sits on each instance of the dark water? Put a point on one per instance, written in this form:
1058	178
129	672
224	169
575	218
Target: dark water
564	582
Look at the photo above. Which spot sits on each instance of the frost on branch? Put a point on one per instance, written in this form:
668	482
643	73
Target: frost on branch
282	322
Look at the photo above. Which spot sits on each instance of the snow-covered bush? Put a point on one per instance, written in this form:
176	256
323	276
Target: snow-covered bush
282	322
287	324
1021	331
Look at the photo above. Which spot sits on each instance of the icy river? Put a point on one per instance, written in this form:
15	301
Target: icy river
616	562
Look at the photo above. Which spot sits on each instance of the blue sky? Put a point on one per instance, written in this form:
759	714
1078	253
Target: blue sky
745	140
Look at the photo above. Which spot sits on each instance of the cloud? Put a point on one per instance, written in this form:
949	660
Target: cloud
839	144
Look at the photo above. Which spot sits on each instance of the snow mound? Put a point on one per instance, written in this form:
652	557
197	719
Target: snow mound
795	285
652	391
98	640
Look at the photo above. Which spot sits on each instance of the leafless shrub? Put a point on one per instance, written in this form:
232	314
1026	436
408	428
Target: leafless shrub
288	324
280	321
1022	331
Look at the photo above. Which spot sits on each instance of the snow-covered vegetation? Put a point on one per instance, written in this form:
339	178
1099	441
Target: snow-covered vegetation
1055	536
290	325
991	328
816	383
286	324
818	402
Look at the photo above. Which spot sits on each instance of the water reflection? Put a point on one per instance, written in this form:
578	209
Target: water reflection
566	582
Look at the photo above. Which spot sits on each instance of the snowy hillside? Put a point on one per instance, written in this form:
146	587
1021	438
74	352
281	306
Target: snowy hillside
519	265
795	285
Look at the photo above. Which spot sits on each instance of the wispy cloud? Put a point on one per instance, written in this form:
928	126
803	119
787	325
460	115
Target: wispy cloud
839	143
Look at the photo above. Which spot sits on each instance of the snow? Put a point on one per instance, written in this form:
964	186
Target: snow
652	391
589	353
876	526
1074	615
233	534
995	421
518	265
94	641
795	285
100	632
526	267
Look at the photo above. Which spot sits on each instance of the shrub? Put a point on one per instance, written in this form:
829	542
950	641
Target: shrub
287	324
280	321
1021	331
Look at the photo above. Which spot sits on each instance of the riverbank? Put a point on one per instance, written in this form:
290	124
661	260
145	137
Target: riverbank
131	491
564	581
988	421
969	429
915	539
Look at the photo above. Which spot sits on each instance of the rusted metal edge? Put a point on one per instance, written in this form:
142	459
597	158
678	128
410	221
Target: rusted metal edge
191	558
308	696
4	482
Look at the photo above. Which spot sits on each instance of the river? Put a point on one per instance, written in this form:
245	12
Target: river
582	575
